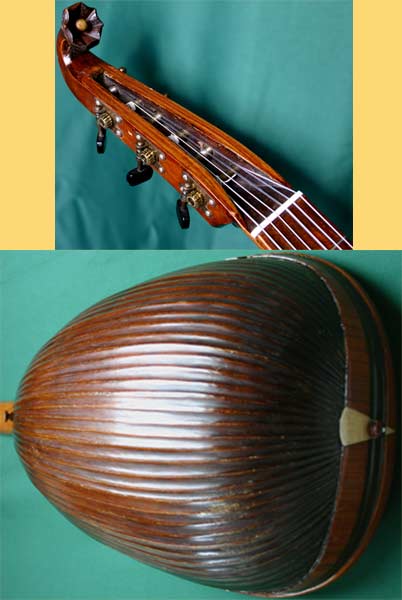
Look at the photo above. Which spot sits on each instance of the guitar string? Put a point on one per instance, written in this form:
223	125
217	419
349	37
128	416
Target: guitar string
265	206
343	238
336	244
265	177
264	232
277	183
195	149
236	174
159	118
288	210
272	240
271	181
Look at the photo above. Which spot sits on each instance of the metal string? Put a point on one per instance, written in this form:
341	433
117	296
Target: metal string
231	178
336	244
226	183
343	238
195	149
267	178
234	191
158	116
288	211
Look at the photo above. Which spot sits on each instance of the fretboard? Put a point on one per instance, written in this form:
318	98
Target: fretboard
292	222
276	216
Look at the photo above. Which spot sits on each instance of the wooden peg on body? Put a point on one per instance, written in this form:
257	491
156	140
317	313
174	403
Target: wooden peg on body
7	414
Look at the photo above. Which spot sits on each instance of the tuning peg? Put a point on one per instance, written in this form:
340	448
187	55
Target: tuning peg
139	175
101	140
183	215
104	121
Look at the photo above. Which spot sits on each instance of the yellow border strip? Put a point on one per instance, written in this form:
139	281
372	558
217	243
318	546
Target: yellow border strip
377	125
27	126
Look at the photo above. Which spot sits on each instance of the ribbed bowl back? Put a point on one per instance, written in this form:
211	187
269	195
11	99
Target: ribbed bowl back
192	421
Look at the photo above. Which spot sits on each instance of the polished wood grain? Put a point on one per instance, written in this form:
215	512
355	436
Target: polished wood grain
192	422
301	229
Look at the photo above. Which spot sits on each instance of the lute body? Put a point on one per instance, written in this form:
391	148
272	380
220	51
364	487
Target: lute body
231	423
213	173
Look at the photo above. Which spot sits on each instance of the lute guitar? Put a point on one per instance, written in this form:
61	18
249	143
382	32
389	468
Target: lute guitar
212	172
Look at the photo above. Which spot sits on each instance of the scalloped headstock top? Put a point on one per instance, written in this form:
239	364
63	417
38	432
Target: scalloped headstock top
81	27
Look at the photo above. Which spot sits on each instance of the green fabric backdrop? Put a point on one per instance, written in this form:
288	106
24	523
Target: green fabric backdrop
43	556
275	74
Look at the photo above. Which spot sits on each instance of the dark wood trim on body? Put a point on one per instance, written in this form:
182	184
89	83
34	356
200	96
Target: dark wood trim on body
366	468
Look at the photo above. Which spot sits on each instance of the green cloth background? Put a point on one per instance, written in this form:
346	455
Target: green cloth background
275	74
43	556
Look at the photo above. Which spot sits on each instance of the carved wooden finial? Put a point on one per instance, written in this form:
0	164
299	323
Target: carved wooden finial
81	27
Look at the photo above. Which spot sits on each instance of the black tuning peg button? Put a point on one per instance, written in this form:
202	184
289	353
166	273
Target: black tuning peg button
101	140
137	176
183	215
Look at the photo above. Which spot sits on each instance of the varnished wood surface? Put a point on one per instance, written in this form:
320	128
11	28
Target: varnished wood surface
364	376
339	553
79	77
192	423
310	226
